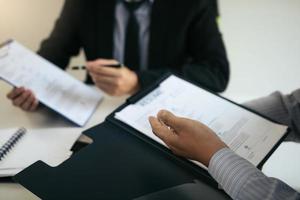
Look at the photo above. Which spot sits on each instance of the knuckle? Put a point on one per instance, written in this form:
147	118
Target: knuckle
162	113
34	106
100	86
115	92
155	126
172	148
22	98
24	107
111	93
124	72
118	82
172	142
16	103
118	85
24	95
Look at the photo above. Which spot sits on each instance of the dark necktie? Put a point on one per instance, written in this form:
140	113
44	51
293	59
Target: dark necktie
132	45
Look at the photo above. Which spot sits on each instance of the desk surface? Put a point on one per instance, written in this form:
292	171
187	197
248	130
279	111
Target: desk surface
43	118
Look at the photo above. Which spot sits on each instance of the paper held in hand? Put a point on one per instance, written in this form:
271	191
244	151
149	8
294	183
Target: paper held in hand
52	86
249	135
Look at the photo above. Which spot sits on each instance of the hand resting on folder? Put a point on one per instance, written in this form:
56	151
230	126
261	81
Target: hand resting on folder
238	177
186	137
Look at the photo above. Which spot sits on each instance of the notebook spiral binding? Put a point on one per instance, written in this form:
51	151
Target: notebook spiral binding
11	142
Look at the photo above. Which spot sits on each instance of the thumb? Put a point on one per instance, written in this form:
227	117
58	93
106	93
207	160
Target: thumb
169	119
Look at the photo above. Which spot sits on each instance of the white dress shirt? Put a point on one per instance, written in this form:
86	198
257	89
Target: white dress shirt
143	16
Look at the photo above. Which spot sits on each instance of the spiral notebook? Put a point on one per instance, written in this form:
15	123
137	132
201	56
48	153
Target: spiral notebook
19	148
10	143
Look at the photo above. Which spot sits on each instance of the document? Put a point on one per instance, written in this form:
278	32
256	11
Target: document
249	135
51	85
49	145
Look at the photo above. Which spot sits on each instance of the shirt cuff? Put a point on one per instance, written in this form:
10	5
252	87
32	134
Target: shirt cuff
231	171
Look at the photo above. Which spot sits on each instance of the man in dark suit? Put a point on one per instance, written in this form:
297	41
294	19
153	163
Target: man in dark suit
150	37
215	7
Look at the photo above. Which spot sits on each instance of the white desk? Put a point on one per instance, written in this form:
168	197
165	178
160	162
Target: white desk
13	117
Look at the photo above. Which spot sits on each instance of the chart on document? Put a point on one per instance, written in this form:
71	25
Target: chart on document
249	135
52	86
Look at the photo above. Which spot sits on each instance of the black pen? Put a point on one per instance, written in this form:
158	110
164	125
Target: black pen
119	65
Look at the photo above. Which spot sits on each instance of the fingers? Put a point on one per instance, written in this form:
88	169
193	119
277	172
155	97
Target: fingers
102	62
30	104
105	71
24	99
99	67
21	99
26	105
162	131
114	81
15	92
109	89
34	105
106	80
170	119
107	84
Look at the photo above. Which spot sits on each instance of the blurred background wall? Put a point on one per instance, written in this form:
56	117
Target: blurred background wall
262	39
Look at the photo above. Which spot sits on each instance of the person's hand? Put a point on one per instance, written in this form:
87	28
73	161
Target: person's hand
185	137
23	98
114	81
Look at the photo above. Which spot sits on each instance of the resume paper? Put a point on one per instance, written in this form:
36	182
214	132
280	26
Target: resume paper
249	135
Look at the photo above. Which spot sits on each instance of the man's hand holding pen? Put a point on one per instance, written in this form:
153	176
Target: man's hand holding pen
114	81
108	75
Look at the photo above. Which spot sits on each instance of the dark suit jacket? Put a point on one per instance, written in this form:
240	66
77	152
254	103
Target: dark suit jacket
215	7
184	39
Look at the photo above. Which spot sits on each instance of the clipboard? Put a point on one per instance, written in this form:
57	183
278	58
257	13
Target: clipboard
137	97
121	163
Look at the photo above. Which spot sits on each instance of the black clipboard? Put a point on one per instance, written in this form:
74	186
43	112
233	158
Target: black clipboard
135	98
122	163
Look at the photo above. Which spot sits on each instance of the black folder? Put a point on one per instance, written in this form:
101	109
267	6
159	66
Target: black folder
122	163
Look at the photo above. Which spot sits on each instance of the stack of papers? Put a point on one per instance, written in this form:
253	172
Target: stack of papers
51	146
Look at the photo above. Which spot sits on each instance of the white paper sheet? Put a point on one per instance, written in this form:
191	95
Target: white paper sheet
248	134
49	145
51	85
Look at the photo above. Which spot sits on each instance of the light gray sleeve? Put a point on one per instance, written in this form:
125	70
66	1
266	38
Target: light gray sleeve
281	108
242	181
